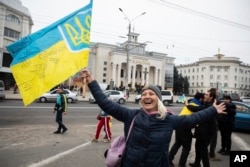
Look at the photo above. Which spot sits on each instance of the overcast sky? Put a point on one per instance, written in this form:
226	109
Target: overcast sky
184	29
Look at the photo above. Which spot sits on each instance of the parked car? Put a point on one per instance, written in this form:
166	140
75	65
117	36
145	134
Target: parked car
242	117
245	99
167	97
234	96
52	95
2	90
114	95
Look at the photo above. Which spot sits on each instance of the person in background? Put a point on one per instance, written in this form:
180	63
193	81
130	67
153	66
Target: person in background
60	109
213	141
153	126
204	131
104	121
183	137
226	125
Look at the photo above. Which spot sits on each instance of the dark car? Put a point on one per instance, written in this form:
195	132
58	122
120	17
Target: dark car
234	96
242	117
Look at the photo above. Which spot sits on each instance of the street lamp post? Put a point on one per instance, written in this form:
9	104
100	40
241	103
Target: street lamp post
127	48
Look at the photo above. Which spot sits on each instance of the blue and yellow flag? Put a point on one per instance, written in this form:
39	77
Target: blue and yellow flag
48	57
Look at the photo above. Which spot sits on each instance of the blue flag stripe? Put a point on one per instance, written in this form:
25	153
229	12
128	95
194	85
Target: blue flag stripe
25	46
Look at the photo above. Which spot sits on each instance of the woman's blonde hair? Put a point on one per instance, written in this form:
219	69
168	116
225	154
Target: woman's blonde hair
162	110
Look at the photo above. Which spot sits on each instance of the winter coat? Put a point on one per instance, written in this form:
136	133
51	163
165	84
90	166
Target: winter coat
148	143
204	130
227	120
61	103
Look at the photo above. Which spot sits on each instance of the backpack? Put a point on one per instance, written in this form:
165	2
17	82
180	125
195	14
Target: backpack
64	102
115	152
113	155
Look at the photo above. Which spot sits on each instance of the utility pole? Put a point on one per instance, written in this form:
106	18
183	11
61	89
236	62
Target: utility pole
128	44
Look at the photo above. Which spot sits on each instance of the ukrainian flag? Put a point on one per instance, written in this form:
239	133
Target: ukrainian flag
48	57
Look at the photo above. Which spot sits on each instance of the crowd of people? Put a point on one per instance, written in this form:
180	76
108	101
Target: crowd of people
149	141
206	132
148	144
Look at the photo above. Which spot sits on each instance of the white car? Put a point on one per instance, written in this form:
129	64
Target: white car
114	95
167	97
52	95
245	99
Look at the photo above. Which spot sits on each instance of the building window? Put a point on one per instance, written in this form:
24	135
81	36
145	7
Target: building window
105	63
122	73
225	77
235	78
104	80
211	76
226	69
104	69
225	85
11	33
218	76
12	18
104	74
7	59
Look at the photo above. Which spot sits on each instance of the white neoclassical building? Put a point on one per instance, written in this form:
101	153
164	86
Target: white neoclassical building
109	64
227	74
15	23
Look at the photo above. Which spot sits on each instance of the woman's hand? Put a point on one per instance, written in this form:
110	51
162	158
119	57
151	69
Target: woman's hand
220	107
86	75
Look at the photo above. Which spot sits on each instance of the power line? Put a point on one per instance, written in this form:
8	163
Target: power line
195	12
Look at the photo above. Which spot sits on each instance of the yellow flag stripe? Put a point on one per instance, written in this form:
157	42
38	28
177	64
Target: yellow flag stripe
47	69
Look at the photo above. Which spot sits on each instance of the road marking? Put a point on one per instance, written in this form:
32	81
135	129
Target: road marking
15	144
240	142
58	156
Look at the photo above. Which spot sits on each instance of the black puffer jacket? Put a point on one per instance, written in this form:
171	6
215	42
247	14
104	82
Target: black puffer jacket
148	144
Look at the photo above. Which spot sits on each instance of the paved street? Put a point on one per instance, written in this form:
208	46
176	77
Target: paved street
26	138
